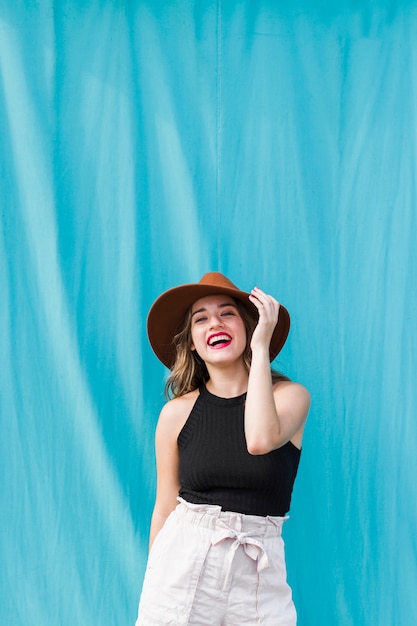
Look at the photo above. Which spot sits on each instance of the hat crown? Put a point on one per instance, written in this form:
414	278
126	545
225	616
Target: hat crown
217	280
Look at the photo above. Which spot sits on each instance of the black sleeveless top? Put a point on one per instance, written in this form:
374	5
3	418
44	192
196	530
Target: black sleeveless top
216	467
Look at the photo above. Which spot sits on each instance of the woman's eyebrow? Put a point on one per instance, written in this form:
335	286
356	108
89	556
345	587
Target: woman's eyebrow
221	306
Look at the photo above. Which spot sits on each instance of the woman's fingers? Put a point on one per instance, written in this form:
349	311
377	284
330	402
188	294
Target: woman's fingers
266	304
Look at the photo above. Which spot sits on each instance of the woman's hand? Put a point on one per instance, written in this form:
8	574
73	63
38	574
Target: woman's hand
268	309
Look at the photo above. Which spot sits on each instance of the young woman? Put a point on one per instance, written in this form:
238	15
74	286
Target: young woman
228	446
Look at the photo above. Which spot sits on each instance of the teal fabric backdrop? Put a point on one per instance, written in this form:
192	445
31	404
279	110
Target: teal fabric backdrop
141	145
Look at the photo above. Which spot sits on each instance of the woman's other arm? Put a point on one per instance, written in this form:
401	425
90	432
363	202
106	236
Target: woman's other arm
172	418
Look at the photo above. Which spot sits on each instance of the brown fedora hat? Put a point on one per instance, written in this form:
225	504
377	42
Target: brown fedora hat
168	312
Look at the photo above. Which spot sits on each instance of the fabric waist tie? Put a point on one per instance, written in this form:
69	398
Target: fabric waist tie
247	531
253	548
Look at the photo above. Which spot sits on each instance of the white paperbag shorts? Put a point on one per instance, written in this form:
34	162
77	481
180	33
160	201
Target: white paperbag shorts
213	568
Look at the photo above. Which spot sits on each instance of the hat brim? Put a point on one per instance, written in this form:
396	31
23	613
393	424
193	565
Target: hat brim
166	316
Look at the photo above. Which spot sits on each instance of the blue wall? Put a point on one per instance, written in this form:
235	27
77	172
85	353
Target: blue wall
141	145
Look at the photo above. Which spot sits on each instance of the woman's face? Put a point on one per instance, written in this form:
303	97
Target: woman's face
217	330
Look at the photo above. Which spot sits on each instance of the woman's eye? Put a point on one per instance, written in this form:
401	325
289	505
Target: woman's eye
199	319
228	313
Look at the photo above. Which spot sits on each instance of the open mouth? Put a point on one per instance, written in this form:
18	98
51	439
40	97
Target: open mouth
220	340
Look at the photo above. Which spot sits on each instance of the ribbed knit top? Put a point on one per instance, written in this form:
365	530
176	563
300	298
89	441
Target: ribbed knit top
216	467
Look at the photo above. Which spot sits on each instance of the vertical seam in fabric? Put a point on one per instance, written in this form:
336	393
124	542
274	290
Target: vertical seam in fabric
218	127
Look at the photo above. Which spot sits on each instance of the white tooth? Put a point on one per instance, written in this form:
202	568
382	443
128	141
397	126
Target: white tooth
219	338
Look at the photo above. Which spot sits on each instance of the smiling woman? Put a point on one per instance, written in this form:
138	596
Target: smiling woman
188	370
228	445
217	330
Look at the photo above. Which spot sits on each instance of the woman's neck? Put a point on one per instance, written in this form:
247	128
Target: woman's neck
228	383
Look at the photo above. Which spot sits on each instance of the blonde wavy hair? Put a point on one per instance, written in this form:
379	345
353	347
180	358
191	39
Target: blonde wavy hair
189	370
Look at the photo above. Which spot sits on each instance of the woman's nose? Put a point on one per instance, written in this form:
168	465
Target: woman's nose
216	322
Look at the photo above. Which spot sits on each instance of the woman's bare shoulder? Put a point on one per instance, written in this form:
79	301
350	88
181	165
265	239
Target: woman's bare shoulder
292	401
175	412
292	398
290	388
